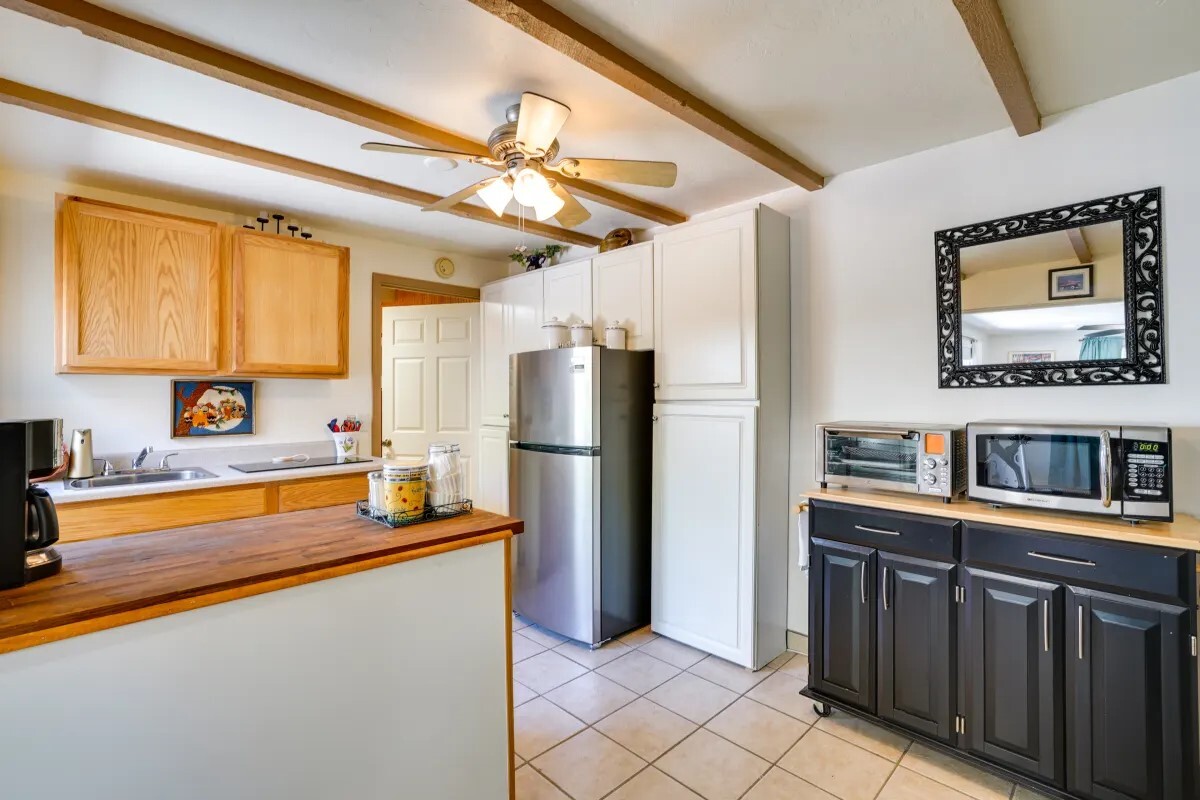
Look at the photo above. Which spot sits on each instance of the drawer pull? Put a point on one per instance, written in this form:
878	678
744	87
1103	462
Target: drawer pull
1046	625
868	529
1079	562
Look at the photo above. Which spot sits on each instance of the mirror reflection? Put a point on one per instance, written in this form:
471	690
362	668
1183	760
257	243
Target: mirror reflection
1051	297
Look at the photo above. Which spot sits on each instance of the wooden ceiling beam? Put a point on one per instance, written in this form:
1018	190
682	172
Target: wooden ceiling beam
141	37
554	28
1079	245
985	23
109	119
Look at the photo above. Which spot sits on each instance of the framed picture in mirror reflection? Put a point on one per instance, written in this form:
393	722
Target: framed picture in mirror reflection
1069	283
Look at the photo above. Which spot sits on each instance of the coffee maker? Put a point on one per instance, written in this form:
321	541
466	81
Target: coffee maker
29	448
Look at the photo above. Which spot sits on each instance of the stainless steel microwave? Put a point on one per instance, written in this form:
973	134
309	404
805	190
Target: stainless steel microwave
1119	470
918	459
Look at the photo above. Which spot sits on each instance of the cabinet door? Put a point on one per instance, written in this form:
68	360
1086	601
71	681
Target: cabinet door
842	660
493	470
524	303
1130	699
916	644
567	293
291	307
705	310
493	355
702	543
1013	671
623	292
137	292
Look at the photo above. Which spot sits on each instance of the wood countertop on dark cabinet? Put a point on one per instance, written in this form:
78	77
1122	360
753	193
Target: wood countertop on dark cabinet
111	582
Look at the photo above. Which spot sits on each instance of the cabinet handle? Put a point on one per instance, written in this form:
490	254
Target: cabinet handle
1080	610
655	385
885	588
1046	625
868	529
863	583
506	416
1079	562
654	419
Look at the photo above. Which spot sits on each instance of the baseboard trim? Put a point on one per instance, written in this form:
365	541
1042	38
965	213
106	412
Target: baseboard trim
797	642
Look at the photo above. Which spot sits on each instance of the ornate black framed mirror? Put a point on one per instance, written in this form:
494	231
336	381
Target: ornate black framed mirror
1066	296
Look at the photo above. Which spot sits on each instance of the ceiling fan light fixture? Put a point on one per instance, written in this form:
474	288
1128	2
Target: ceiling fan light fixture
531	188
497	195
547	207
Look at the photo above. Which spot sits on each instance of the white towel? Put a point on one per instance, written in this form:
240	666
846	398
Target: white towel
802	538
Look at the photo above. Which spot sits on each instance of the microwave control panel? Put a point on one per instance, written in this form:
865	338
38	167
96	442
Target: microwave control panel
1146	468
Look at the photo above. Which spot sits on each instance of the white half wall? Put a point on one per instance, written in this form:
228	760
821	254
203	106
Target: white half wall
126	412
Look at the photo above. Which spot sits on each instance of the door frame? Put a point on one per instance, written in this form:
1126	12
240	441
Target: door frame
381	283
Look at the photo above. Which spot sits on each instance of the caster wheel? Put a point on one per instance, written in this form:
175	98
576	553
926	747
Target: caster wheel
822	709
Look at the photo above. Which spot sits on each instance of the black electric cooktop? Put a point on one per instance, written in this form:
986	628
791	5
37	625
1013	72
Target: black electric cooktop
320	461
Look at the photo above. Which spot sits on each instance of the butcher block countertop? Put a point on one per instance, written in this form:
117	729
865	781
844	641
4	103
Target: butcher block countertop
1183	533
109	582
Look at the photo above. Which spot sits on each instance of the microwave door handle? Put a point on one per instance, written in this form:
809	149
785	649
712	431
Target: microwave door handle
1106	469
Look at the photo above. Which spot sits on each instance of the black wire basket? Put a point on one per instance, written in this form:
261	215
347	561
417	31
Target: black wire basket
430	514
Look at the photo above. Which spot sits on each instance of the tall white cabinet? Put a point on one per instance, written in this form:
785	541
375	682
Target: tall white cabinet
721	444
567	290
623	292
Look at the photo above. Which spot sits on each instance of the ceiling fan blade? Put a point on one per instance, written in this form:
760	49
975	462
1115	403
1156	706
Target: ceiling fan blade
539	122
448	202
572	213
385	147
643	173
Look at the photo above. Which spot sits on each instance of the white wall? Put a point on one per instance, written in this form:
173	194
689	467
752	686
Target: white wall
126	412
863	316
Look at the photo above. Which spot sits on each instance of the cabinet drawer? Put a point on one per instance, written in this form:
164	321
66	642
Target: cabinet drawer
322	492
1156	571
893	531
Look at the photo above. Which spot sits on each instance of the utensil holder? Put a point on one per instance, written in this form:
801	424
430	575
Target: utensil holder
345	444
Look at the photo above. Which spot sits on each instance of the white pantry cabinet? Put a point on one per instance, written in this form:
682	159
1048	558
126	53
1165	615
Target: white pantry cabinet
705	310
567	291
512	317
623	291
493	470
703	541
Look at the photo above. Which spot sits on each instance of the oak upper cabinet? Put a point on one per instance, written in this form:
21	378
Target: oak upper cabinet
290	314
567	292
706	310
136	291
623	292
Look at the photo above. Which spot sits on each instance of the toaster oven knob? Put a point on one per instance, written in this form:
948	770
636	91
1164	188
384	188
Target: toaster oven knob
931	479
930	463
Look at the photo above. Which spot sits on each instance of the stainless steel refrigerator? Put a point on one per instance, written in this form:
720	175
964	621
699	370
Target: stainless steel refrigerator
579	476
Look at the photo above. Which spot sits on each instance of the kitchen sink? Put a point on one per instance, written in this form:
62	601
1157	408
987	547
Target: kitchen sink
135	478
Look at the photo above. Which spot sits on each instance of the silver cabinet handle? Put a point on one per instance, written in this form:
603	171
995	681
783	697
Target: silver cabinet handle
885	588
1046	625
654	419
1079	562
1080	610
863	583
869	529
1106	469
656	386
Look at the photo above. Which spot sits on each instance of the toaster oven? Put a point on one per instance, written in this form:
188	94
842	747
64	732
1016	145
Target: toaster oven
1119	470
918	459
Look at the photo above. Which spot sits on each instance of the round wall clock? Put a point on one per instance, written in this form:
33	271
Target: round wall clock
444	267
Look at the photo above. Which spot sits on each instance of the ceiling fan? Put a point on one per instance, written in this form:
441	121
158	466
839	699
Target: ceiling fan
523	148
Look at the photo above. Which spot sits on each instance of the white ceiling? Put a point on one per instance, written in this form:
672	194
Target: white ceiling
1066	317
1048	249
839	84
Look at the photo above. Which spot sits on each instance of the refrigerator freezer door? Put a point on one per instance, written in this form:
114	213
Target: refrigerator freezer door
555	397
555	582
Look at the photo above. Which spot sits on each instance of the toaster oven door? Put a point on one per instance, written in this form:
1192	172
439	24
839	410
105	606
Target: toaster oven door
871	458
1063	467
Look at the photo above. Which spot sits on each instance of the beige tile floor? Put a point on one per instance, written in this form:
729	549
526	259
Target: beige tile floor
647	718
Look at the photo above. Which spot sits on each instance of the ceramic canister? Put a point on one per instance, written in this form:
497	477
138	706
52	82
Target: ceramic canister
404	490
615	337
581	334
556	334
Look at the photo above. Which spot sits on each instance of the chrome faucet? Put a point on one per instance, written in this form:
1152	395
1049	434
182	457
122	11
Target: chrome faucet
164	462
141	457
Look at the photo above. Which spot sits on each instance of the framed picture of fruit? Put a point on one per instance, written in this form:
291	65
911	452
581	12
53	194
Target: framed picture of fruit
212	408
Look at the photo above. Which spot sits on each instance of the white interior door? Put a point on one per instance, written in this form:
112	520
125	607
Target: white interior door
430	379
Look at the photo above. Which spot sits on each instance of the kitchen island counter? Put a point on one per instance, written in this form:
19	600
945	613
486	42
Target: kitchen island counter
305	655
111	582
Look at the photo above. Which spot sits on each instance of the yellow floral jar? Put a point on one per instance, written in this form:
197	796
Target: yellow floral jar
404	489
